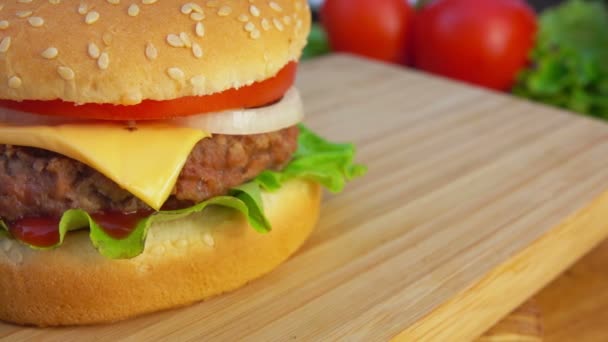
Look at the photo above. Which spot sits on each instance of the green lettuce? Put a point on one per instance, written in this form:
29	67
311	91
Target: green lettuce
329	164
569	66
317	43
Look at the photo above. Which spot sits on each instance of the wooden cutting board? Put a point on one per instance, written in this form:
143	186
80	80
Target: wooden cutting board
575	305
522	325
472	203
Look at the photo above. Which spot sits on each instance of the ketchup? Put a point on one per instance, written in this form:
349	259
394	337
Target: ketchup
40	232
119	225
44	232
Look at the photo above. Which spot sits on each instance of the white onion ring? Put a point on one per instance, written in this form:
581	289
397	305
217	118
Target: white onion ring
285	113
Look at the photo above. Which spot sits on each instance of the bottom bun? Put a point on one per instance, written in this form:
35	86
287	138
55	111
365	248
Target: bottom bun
185	261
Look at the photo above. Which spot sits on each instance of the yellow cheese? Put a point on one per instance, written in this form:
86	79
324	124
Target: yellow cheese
145	161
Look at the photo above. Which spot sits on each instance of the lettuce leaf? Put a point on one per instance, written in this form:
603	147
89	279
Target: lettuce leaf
133	245
569	67
316	159
329	164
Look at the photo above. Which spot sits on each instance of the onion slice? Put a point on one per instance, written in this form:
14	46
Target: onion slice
285	113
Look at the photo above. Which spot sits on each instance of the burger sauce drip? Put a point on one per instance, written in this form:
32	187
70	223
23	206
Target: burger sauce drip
39	232
44	232
119	225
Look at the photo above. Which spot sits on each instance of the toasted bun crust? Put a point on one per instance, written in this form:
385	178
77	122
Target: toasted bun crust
100	52
185	261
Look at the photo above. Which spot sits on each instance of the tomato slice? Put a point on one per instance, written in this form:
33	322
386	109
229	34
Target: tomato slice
254	95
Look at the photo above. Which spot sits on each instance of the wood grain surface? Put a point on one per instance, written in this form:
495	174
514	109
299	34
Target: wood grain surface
473	202
575	306
522	325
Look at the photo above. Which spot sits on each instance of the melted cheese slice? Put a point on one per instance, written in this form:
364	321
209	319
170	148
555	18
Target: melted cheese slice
146	161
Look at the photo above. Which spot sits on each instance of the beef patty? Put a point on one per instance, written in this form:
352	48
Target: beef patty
39	183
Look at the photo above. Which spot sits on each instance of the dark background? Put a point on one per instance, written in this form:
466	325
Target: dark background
540	4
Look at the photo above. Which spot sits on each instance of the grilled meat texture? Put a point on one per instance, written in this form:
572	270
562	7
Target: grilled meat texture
40	183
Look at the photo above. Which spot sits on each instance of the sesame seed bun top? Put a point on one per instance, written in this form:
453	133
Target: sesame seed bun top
123	52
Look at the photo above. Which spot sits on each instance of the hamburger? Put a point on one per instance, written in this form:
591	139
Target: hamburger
152	154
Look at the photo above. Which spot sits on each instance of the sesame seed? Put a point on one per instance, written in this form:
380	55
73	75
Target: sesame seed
4	24
196	50
35	21
148	2
24	1
114	2
213	3
174	40
93	50
176	73
196	16
208	239
133	10
275	6
249	26
23	14
185	39
5	43
265	24
144	268
255	34
298	6
224	11
299	24
197	8
107	38
91	17
14	82
103	62
151	51
186	8
198	84
243	18
65	73
287	20
50	53
278	24
83	8
191	7
254	11
54	2
199	29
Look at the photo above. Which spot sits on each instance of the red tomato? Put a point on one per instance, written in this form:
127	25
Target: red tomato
372	28
484	42
257	94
